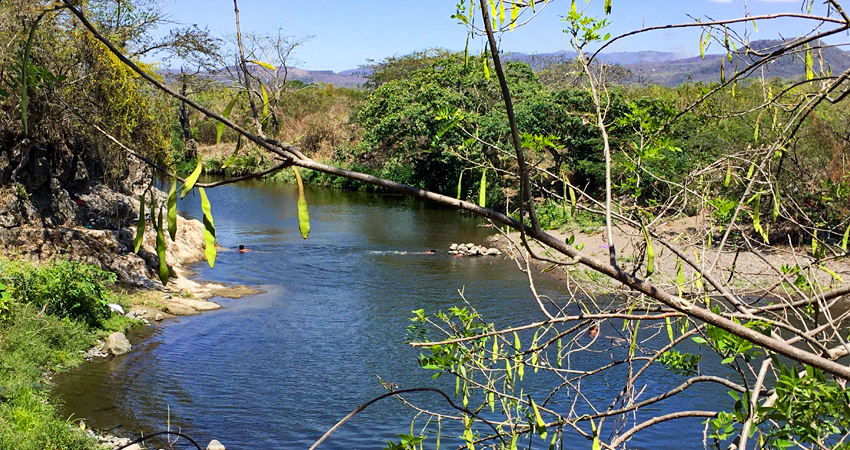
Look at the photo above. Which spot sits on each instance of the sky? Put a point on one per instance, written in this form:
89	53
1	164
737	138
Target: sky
346	34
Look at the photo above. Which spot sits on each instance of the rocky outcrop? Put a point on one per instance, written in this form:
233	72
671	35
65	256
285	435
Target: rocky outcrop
54	204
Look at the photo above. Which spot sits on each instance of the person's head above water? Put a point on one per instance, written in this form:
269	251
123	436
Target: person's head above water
241	247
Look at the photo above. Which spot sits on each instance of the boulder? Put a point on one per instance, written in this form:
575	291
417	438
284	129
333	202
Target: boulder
453	247
215	445
493	252
117	344
158	317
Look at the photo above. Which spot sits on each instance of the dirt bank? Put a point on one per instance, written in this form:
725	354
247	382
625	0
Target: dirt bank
746	272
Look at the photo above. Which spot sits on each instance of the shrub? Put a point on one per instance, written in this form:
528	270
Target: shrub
63	288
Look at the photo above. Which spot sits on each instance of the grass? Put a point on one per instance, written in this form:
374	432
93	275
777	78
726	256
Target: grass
30	348
34	345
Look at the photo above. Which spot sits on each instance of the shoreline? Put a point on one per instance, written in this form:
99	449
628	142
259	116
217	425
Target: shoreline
744	271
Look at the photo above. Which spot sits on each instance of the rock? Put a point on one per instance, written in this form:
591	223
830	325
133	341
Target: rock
133	447
116	308
158	317
131	314
453	247
215	445
117	344
493	252
470	245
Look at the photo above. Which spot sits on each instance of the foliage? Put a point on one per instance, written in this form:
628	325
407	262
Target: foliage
63	288
29	347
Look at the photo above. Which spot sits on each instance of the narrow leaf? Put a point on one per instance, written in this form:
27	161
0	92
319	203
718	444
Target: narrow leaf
834	275
607	6
514	15
193	178
140	226
459	184
501	12
728	177
650	252
844	239
539	424
160	250
209	229
303	214
809	63
235	152
482	191
634	339
172	210
266	65
669	329
219	129
265	119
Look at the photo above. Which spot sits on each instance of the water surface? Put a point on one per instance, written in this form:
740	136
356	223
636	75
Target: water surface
276	370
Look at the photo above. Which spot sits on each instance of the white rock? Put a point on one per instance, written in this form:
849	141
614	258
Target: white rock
158	317
215	445
116	308
453	247
493	252
117	344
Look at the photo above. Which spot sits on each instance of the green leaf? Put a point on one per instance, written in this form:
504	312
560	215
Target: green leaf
680	277
265	119
501	12
607	7
172	210
728	177
459	185
140	226
486	69
514	15
219	129
266	65
482	191
634	339
235	152
809	63
596	444
650	252
844	239
669	329
751	170
303	214
539	424
834	275
702	46
160	250
209	229
193	178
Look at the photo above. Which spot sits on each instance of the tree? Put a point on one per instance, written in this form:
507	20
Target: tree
790	389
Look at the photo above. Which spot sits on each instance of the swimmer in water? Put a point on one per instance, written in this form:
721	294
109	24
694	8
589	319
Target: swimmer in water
242	249
594	330
430	252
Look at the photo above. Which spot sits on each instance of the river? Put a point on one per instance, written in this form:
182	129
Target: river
277	370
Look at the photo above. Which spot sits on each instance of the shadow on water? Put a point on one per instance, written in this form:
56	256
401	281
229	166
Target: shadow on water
278	369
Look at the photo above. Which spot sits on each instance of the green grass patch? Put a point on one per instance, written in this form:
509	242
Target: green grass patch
50	314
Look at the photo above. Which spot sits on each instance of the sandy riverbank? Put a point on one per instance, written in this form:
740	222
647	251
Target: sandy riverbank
747	272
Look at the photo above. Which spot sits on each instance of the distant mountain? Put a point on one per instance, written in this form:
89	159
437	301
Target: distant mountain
664	68
620	58
675	72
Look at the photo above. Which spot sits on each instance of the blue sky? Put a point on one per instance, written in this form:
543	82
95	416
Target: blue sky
347	33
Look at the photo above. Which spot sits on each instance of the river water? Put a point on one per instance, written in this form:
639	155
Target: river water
277	370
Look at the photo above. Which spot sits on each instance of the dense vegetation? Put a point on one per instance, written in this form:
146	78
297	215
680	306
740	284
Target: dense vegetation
49	316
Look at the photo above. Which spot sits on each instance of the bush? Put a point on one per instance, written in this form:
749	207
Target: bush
63	288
